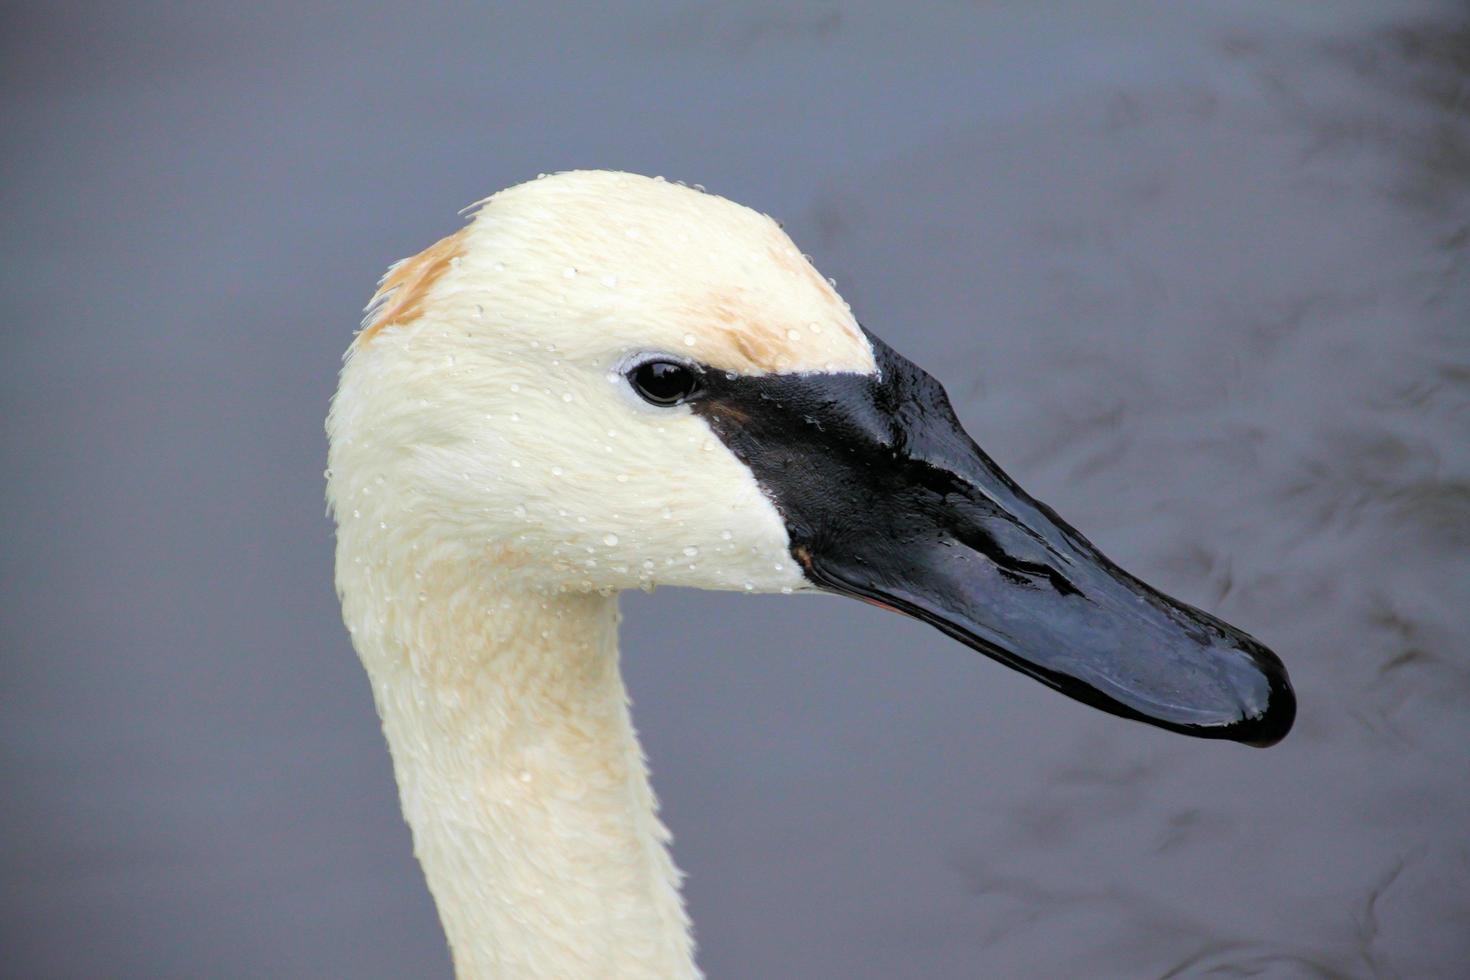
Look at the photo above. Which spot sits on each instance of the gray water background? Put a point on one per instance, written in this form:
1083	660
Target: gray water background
1198	275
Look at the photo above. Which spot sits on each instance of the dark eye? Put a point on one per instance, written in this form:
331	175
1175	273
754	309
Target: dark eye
664	382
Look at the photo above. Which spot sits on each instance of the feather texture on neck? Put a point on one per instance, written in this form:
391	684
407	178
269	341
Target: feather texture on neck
519	773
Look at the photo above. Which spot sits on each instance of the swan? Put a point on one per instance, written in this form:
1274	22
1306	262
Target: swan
605	381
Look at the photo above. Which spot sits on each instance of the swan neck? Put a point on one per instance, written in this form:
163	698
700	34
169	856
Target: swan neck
524	784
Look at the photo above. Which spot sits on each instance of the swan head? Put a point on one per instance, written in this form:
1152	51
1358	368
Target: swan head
606	381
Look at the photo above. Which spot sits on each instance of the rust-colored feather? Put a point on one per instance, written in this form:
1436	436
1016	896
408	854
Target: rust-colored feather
403	290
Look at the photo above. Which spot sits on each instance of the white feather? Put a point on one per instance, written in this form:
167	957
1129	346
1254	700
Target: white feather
495	483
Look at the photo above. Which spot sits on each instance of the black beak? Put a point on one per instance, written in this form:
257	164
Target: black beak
887	499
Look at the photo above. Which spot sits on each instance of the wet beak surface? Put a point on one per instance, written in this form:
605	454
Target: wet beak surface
887	499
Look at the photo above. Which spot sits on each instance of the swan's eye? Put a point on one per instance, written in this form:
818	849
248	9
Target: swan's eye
665	382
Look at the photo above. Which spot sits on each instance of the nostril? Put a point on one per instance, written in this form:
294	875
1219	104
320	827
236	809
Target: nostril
1020	571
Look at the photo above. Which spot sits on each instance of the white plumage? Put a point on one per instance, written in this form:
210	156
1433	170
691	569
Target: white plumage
495	483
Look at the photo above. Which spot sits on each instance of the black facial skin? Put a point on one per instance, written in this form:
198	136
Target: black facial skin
887	499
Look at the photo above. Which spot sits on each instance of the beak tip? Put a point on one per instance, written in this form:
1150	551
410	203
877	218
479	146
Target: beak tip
1271	723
